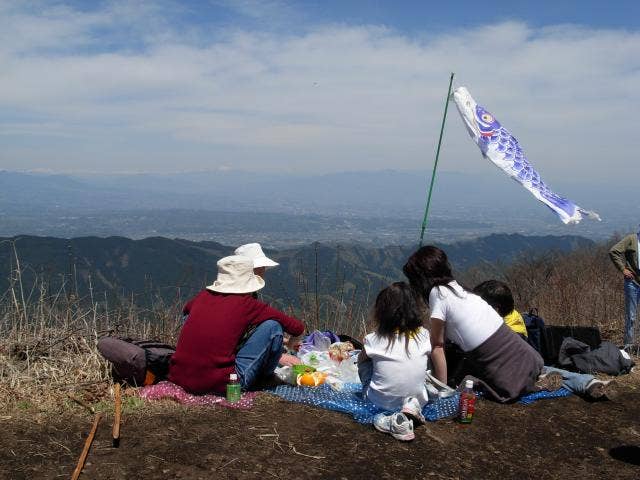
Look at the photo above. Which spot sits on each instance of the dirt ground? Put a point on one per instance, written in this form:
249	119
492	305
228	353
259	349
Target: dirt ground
561	438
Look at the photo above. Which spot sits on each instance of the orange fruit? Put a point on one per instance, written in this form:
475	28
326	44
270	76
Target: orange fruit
312	379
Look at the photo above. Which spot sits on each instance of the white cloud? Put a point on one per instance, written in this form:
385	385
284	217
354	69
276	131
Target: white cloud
333	98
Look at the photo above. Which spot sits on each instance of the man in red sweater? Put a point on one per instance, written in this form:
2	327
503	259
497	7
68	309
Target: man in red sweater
207	351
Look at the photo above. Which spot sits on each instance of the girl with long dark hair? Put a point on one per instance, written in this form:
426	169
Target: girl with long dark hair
504	364
393	363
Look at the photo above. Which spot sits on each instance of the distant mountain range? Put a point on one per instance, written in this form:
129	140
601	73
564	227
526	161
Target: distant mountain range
161	269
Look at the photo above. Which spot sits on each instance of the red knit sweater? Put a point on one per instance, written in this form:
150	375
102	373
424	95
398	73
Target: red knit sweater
205	354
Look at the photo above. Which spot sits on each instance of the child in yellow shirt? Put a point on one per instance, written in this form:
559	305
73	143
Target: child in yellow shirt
499	296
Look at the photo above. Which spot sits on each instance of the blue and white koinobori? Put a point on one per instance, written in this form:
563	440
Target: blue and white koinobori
500	147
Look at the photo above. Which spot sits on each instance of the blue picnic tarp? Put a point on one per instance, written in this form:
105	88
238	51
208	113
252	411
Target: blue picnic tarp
349	400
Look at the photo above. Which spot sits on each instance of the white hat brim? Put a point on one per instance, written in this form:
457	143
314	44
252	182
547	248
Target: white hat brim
264	262
253	285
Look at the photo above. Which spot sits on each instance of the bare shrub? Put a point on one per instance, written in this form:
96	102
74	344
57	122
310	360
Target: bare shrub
577	288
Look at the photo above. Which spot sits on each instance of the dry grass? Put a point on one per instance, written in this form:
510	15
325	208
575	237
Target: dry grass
48	355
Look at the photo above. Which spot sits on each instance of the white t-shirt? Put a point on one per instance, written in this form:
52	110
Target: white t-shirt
469	320
397	375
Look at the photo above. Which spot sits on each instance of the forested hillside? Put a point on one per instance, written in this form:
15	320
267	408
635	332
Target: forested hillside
161	269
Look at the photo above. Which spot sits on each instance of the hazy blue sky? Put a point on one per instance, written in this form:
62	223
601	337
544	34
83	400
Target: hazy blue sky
315	86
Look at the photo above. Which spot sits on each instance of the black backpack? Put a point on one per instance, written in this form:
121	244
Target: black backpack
136	362
547	339
535	329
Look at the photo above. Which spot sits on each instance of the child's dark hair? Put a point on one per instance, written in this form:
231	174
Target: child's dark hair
497	294
398	311
427	268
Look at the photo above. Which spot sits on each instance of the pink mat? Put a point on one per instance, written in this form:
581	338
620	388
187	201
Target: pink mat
174	392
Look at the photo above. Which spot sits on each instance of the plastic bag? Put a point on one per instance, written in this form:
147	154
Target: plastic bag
286	374
437	389
345	371
335	383
318	341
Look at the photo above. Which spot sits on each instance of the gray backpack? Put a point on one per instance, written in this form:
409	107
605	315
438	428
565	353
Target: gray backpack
136	362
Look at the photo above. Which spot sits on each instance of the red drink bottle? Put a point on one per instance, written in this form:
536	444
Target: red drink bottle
467	403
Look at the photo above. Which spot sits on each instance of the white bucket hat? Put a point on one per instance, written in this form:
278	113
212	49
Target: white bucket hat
235	275
255	253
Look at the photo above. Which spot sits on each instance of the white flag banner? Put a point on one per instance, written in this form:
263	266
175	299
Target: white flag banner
498	145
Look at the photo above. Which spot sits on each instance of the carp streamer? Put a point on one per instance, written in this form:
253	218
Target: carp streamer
498	145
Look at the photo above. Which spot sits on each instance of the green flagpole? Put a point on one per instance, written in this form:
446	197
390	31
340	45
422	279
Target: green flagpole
435	164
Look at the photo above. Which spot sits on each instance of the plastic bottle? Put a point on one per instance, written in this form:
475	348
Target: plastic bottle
233	388
467	403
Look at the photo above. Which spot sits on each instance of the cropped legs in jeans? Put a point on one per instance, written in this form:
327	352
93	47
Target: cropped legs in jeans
631	295
572	381
259	356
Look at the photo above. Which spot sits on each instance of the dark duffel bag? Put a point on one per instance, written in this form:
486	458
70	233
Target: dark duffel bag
607	358
554	335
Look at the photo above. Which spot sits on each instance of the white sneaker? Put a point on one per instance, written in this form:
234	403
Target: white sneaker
397	424
597	389
411	408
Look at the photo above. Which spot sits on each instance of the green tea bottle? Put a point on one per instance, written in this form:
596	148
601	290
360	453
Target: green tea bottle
233	388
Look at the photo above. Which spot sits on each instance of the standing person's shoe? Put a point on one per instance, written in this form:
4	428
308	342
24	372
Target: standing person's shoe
551	381
411	408
631	349
599	389
397	424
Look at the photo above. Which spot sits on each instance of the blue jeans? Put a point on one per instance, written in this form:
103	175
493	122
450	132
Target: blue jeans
259	356
572	381
631	295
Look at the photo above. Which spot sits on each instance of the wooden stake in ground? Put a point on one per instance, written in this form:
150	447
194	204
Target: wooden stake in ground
117	400
87	446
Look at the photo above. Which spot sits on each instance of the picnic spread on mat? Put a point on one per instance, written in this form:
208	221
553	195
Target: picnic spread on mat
339	388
